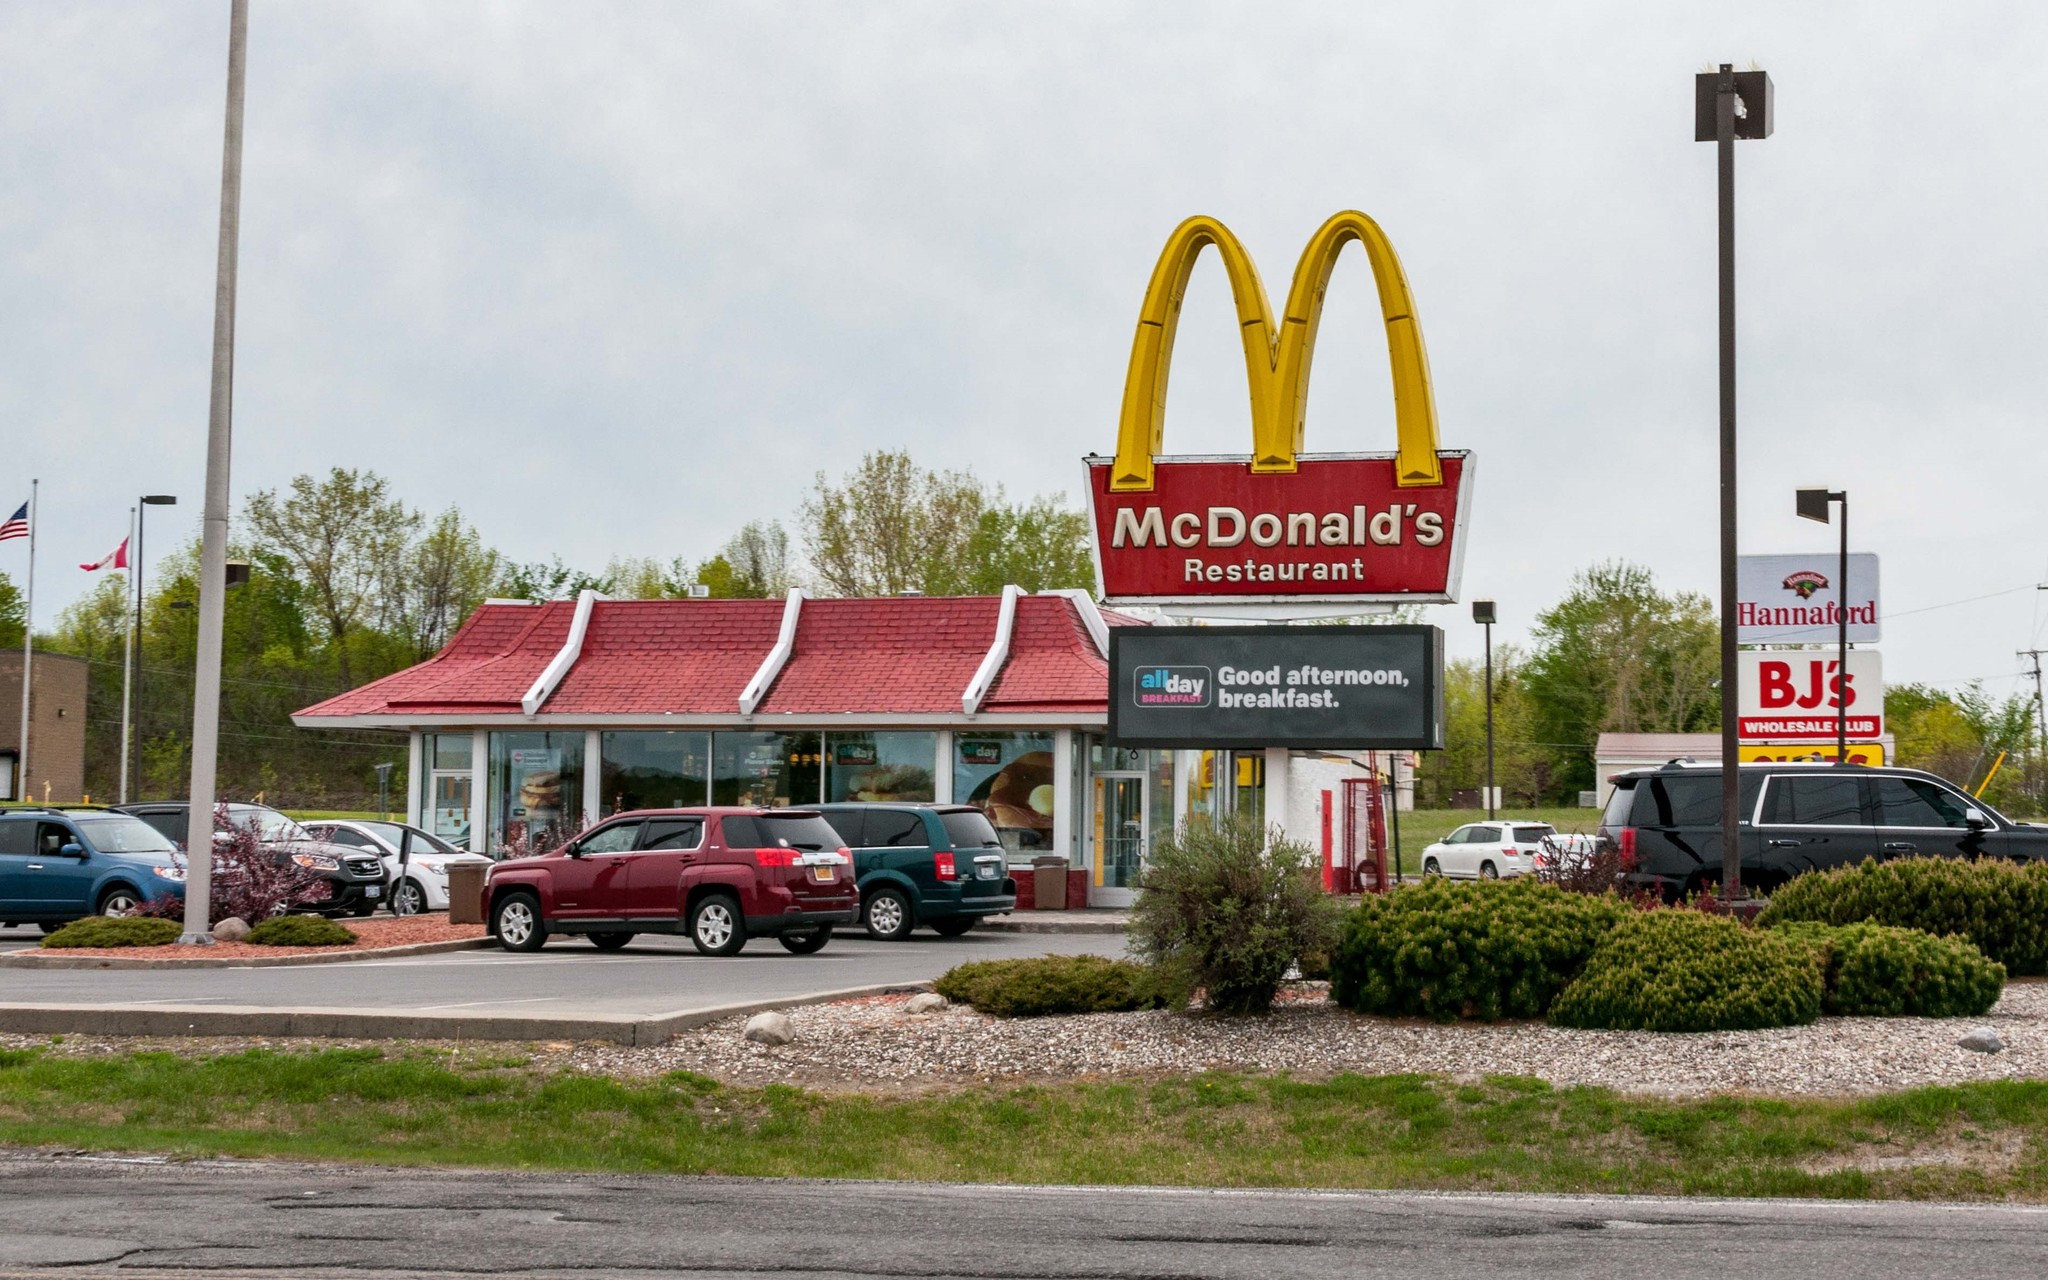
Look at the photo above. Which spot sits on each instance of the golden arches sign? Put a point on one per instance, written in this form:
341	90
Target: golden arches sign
1276	359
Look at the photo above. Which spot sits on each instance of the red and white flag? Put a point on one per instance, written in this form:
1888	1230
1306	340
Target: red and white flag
115	559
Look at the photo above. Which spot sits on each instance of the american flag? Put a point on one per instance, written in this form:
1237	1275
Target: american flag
16	526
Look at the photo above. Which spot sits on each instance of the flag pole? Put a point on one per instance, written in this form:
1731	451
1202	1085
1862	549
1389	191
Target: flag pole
28	642
127	665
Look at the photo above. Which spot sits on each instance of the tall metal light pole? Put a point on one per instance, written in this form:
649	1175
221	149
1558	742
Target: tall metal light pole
1813	505
1729	104
213	538
1482	613
136	730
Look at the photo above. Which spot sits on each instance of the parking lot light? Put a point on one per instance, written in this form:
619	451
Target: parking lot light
1482	613
1812	504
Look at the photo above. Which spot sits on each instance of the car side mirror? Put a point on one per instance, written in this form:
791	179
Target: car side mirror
72	849
1975	819
572	850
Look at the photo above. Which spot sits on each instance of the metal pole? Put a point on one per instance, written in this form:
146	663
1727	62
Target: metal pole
213	542
1394	807
135	761
127	676
1489	722
1731	754
28	639
1842	641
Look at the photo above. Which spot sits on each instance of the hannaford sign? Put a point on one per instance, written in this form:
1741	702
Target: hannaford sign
1795	599
1790	695
1278	525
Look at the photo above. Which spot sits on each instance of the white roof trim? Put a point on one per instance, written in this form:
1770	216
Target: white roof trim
998	653
1091	617
572	649
757	689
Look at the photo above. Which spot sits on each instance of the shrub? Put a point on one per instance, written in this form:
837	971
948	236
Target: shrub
1877	971
1684	971
1488	950
114	931
1223	912
300	931
2000	906
1047	985
249	882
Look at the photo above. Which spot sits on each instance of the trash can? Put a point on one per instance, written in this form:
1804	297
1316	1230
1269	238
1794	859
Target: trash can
466	893
1049	883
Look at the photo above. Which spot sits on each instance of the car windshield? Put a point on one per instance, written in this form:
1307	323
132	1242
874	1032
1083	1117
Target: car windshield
393	834
970	829
119	833
271	826
805	831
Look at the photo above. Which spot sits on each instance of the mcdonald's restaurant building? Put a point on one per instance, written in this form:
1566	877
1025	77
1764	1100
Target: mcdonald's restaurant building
539	718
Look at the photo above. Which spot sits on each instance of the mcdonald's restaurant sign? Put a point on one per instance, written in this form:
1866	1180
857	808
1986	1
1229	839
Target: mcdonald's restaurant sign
1278	526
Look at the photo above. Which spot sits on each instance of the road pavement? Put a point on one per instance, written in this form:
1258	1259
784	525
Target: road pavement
97	1217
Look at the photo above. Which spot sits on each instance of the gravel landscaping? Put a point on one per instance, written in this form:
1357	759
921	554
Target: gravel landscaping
373	933
860	1044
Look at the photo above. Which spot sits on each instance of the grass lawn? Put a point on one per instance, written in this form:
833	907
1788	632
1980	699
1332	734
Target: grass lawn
341	815
1421	827
487	1108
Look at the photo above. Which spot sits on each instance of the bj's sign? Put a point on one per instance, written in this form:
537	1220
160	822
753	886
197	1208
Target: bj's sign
1791	695
1278	525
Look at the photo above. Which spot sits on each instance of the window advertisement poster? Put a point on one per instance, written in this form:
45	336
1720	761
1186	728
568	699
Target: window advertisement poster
1797	599
537	784
1339	687
1009	777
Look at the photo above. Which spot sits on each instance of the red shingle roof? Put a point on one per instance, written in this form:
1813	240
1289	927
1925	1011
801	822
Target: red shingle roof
912	655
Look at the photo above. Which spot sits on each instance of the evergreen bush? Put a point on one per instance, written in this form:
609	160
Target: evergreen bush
115	931
1686	971
1048	985
1223	912
1877	971
2000	906
300	931
1484	949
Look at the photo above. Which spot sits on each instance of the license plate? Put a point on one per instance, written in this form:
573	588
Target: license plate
373	891
986	871
824	875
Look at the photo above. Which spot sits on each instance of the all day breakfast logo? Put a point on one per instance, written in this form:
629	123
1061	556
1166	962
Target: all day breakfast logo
1173	687
1805	582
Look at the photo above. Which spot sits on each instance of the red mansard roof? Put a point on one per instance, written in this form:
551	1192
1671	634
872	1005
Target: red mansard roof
906	655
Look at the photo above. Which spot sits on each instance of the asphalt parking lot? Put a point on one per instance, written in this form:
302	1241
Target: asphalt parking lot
654	976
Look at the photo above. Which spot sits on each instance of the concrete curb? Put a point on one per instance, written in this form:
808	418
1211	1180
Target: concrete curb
40	959
1023	923
364	1024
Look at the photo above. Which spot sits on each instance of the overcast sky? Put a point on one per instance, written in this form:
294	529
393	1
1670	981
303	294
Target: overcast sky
618	278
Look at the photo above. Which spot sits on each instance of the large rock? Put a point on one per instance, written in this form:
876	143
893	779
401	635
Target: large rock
232	929
769	1028
1983	1040
926	1002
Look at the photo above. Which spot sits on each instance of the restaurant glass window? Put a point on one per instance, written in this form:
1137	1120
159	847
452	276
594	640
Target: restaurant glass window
449	784
772	770
657	770
880	766
536	784
1160	781
1009	777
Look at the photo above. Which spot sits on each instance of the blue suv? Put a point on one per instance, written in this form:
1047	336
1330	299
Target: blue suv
937	865
61	864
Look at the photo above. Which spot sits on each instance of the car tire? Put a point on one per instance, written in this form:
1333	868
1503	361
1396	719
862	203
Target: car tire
716	926
810	942
1430	867
516	919
610	941
51	926
408	898
362	909
120	901
955	927
887	915
1487	871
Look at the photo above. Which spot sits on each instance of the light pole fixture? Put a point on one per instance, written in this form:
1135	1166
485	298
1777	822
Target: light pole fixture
1812	504
1482	613
134	694
1729	104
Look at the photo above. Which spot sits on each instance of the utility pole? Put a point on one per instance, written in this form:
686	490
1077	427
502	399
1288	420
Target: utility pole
2040	713
213	536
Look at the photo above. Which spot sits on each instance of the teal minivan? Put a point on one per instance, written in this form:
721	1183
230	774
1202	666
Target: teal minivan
923	864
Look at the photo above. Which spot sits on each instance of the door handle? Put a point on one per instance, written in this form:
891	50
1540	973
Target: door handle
1901	846
35	866
1784	844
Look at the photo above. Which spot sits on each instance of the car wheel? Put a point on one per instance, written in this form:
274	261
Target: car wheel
808	943
1487	871
362	909
610	941
518	922
51	926
716	926
1430	867
120	901
887	916
408	898
955	927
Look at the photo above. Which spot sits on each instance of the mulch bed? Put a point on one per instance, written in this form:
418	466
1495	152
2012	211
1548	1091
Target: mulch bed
375	933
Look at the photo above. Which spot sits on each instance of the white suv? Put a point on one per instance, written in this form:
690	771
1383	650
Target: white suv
1487	850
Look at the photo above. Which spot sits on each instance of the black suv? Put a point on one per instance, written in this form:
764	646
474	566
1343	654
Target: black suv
1796	818
355	879
941	865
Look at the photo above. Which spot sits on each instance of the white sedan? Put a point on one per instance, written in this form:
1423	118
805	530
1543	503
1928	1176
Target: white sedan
416	862
1488	850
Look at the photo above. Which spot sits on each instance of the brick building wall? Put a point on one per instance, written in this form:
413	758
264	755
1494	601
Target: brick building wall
56	755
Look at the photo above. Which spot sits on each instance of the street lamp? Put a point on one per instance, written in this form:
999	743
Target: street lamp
133	695
1812	504
1482	613
1729	104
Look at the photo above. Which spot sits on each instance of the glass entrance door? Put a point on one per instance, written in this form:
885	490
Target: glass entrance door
449	818
1120	827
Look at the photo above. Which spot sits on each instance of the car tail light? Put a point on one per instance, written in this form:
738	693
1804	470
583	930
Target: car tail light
846	855
775	857
1625	840
943	864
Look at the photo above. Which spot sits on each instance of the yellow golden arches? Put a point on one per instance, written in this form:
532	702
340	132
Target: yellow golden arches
1276	363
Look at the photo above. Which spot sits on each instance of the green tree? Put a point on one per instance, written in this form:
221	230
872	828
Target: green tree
448	573
1522	766
95	627
1960	736
1619	655
548	580
347	538
13	614
1040	545
756	561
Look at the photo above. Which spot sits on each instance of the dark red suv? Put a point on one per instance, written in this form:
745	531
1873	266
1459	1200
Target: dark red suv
720	875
